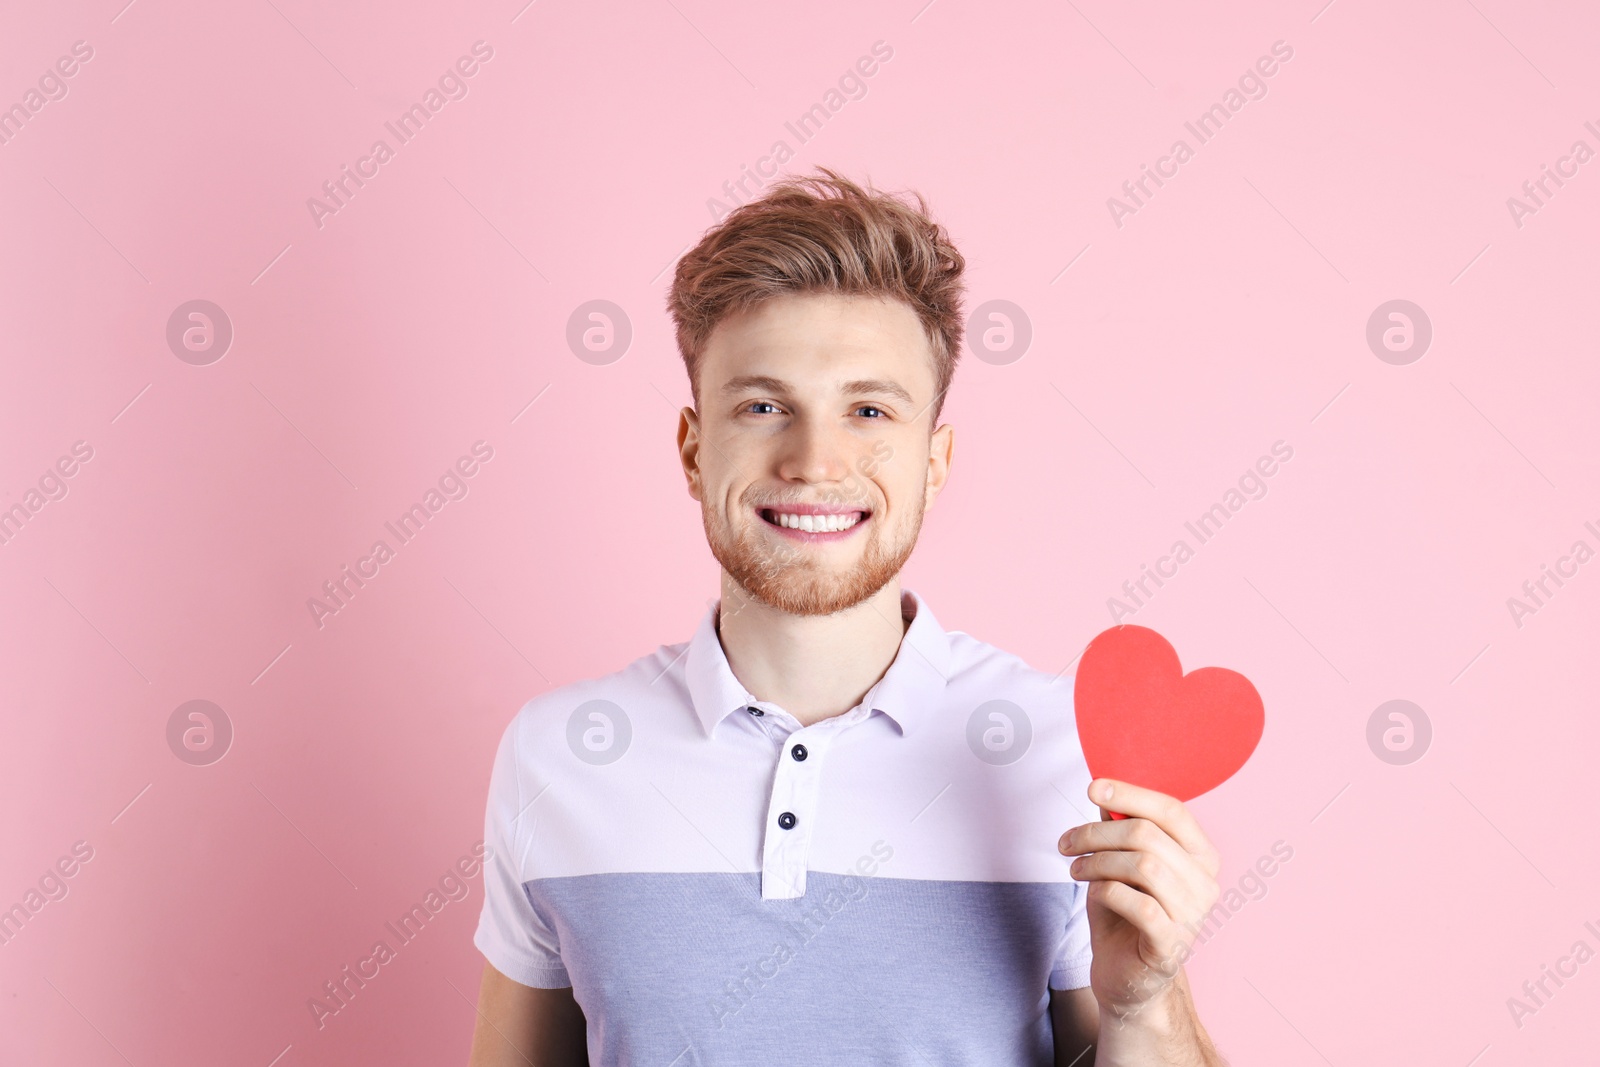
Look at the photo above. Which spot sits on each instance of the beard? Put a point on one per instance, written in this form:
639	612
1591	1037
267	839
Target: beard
792	578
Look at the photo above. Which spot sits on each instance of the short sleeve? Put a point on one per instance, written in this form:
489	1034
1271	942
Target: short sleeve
1070	968
510	934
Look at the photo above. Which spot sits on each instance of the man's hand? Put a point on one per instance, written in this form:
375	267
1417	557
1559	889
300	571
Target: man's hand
1152	878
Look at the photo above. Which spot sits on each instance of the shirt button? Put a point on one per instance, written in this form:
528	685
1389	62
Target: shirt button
786	820
798	752
755	711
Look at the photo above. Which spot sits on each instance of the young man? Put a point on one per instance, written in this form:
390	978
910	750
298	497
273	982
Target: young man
825	830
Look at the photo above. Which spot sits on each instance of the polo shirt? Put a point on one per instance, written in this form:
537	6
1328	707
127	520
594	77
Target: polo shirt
720	884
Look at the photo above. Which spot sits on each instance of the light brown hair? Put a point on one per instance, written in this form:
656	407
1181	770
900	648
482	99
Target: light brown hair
822	233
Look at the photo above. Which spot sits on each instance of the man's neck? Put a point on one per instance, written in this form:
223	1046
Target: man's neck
812	666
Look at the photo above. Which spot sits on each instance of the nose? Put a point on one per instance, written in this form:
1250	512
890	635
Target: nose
814	451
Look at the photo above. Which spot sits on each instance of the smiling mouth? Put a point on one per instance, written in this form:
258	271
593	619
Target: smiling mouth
813	523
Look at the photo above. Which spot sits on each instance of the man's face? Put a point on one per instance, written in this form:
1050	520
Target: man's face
819	404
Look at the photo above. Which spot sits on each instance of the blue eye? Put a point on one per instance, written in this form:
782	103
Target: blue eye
869	407
762	403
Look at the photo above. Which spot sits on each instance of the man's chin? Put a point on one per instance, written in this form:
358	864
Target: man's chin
811	588
794	596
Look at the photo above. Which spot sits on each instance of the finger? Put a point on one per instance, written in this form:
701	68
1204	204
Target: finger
1185	892
1159	942
1168	812
1139	852
1128	835
1173	890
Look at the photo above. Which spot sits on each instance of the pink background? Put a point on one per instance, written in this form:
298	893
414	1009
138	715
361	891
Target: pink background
1228	313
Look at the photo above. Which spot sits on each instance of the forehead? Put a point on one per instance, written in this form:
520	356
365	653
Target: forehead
808	336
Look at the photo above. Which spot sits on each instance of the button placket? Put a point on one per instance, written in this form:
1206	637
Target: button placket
792	809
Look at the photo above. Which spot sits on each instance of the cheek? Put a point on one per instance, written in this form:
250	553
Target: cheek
899	490
716	480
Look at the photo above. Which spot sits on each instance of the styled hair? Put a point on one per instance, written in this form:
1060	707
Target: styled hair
822	233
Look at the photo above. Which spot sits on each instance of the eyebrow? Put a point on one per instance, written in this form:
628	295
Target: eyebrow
747	382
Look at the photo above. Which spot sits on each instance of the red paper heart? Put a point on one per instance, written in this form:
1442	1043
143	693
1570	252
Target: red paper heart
1142	720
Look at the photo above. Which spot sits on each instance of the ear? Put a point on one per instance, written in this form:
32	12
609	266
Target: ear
941	450
689	448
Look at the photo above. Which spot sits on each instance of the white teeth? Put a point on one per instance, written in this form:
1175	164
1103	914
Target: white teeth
817	523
